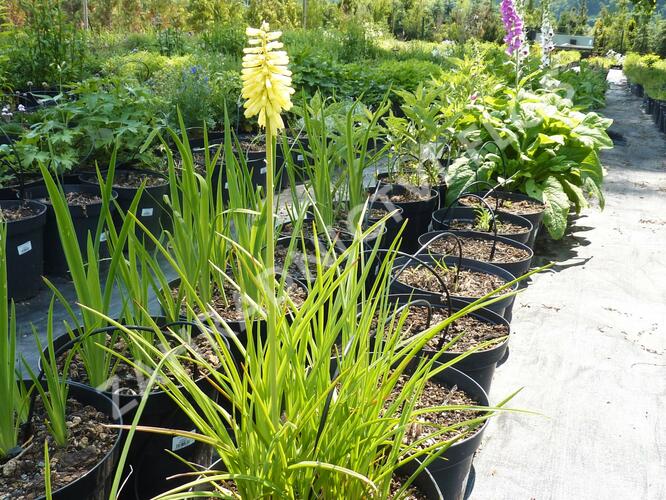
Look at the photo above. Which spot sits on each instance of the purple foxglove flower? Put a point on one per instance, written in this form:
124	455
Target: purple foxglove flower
513	23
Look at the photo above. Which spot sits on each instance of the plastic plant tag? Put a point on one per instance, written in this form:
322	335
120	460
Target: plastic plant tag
146	212
180	442
24	247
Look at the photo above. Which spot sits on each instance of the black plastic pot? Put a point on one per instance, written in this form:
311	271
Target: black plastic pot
85	221
148	464
424	482
96	484
13	192
151	210
479	365
392	227
451	469
662	116
444	216
515	268
535	218
502	307
417	214
441	189
25	251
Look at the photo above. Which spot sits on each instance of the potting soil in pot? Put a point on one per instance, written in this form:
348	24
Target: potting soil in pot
134	179
469	283
517	207
228	304
89	441
126	379
502	227
435	395
299	260
406	196
411	493
17	213
473	330
479	249
78	199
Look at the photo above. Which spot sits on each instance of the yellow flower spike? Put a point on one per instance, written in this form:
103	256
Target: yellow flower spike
267	92
266	80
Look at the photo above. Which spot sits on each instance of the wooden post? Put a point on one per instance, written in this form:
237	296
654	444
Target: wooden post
86	24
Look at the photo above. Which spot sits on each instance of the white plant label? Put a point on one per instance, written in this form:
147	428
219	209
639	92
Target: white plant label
300	157
180	442
263	170
146	212
24	248
102	237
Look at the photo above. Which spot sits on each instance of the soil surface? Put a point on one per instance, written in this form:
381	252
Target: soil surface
479	249
503	228
473	330
406	196
252	144
517	207
228	303
126	380
22	477
433	395
469	283
588	342
411	493
135	179
299	261
78	199
409	179
17	213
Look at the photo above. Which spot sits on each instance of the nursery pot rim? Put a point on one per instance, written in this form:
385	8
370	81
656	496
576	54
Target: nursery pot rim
373	200
42	207
458	304
65	337
90	178
466	264
484	402
444	216
424	238
41	190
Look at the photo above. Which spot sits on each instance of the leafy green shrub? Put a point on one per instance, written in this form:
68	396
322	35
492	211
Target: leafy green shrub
134	42
549	151
85	130
588	85
358	79
144	65
565	58
50	50
191	96
226	39
648	71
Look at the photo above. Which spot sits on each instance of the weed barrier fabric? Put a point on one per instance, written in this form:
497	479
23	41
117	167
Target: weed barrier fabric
589	342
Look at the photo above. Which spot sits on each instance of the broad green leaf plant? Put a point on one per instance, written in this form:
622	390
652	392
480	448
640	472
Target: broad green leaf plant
548	151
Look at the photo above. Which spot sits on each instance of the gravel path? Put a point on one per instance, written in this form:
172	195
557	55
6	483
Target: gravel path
589	343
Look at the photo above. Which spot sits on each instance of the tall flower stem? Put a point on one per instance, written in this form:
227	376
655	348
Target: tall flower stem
270	273
267	90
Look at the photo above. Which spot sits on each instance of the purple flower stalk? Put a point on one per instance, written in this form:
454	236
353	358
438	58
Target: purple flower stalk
513	23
